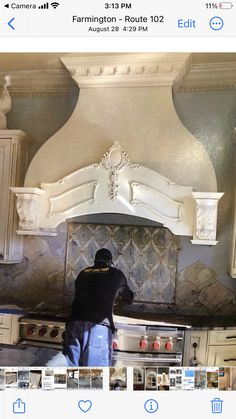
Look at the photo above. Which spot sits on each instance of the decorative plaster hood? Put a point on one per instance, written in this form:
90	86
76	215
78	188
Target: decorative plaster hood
125	98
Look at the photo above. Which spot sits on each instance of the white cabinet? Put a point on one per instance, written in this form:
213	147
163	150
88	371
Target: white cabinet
198	338
221	356
13	163
9	328
222	348
222	337
215	348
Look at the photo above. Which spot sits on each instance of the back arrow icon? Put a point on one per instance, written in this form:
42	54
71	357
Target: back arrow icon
9	23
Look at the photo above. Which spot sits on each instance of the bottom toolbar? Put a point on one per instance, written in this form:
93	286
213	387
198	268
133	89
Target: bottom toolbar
117	404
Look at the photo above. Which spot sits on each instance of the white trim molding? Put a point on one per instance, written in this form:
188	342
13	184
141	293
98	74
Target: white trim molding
116	185
116	70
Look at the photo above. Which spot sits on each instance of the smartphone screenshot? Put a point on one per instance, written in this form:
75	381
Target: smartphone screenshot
117	209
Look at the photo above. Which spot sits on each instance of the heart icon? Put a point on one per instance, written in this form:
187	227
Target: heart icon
85	405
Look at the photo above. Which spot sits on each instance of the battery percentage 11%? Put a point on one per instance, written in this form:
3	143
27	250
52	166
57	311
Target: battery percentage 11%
221	5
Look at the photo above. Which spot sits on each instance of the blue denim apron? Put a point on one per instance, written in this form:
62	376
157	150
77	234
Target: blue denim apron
87	344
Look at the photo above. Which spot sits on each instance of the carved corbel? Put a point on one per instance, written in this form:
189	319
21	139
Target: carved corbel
28	208
206	206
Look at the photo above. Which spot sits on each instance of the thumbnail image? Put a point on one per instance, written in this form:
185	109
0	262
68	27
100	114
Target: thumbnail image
225	378
200	379
10	378
85	378
188	378
35	379
23	375
233	377
47	379
212	378
73	378
175	378
23	379
163	378
138	378
2	381
151	378
60	375
97	379
118	378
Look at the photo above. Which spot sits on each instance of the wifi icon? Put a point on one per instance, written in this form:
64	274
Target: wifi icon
54	4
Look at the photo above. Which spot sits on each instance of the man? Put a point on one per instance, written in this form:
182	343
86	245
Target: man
88	335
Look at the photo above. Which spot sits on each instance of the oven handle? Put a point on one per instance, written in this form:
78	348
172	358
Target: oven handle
151	360
40	344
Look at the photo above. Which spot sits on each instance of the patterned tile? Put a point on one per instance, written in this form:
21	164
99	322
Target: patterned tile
146	255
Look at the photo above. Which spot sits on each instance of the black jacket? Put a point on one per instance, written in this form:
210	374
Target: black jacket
96	289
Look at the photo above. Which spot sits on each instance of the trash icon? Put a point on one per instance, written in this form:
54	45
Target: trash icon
216	405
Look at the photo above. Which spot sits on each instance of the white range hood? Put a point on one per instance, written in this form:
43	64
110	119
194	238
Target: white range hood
124	150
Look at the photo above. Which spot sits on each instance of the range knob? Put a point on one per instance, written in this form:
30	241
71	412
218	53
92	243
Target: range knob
156	344
54	333
115	344
143	343
42	331
31	330
169	345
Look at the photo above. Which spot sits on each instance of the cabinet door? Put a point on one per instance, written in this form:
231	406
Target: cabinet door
5	321
195	337
220	356
5	336
5	174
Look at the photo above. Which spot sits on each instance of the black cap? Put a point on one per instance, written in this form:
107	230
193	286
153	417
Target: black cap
103	254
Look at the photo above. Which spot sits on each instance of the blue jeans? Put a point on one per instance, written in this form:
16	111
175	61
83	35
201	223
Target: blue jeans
87	344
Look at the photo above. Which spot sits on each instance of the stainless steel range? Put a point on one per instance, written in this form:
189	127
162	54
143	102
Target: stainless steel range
148	344
45	333
134	344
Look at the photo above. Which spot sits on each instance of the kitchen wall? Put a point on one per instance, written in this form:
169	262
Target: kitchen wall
41	116
211	117
203	285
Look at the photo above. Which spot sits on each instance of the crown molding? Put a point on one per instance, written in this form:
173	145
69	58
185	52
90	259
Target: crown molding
117	70
208	77
40	82
127	69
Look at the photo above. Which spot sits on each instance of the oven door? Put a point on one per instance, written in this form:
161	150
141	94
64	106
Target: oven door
128	359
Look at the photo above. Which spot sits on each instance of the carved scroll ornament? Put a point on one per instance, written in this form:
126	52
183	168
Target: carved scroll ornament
114	160
116	185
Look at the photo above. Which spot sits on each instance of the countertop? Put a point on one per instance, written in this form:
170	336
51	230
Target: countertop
136	315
